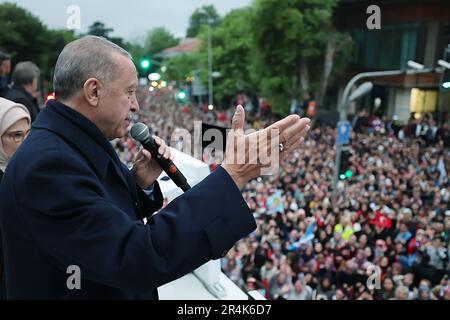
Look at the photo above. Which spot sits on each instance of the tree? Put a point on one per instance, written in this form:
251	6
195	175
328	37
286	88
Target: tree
57	41
99	29
23	35
159	39
336	43
200	17
182	66
293	39
136	50
231	44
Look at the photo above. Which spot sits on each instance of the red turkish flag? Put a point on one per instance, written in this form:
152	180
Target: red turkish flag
380	220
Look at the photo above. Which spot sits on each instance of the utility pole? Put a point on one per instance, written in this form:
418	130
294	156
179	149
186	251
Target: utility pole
210	79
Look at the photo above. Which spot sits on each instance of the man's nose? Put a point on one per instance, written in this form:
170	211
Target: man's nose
135	105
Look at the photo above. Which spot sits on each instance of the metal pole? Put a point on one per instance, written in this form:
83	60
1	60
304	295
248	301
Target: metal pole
343	114
210	80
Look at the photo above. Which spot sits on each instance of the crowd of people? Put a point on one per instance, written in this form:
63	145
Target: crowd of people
384	236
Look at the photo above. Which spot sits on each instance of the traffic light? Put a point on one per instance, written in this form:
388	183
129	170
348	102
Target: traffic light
145	65
344	169
445	79
181	95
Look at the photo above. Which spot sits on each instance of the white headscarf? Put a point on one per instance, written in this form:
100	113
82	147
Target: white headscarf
10	113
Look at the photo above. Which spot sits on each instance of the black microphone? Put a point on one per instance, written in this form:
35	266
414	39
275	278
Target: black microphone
140	132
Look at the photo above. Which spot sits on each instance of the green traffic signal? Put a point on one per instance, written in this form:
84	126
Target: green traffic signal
145	64
181	95
348	174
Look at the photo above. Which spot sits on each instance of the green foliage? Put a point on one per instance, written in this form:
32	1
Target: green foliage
22	34
99	29
57	41
182	66
200	17
232	46
159	39
25	37
260	49
284	33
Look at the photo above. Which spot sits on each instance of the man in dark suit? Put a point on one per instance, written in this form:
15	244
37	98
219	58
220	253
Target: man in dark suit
25	78
5	69
70	207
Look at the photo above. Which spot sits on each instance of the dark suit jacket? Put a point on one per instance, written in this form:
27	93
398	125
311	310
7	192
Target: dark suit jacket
66	200
3	86
19	95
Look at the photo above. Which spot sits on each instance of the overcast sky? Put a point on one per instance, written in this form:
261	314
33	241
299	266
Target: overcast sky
130	19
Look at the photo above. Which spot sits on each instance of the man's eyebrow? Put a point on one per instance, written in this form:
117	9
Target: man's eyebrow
132	86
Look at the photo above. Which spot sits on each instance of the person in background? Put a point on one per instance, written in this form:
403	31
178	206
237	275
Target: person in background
401	293
14	126
25	78
281	286
301	291
5	70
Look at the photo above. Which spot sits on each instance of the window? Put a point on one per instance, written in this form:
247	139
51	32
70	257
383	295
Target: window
388	48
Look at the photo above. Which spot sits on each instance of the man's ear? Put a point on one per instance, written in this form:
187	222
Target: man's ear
91	89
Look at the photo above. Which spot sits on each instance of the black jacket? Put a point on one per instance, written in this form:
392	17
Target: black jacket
4	88
19	95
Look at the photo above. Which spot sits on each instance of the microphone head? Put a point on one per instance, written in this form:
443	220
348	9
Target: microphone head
140	132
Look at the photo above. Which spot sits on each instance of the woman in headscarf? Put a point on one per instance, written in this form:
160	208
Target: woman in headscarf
14	126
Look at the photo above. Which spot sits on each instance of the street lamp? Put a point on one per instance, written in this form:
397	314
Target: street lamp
361	91
415	65
210	72
444	64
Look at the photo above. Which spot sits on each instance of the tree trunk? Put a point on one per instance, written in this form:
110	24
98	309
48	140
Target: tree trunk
304	79
327	67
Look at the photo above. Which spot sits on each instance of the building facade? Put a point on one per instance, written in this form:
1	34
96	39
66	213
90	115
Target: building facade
408	30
